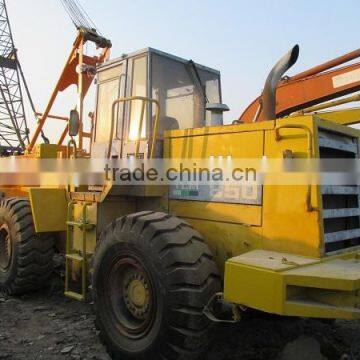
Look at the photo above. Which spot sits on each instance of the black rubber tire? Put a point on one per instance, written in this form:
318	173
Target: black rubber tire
184	278
31	261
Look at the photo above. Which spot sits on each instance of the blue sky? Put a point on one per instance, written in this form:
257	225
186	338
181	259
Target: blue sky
242	39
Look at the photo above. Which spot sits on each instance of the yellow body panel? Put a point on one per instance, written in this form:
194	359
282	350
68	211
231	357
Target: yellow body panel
343	117
284	222
229	229
287	225
220	130
327	123
45	151
49	209
229	213
227	239
272	254
281	220
205	142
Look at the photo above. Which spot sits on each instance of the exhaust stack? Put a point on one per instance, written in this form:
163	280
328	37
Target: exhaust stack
269	93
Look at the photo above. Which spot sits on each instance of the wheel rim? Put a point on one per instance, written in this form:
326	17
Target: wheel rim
131	297
5	247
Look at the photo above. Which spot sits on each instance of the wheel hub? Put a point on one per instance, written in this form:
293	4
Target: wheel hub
137	294
5	247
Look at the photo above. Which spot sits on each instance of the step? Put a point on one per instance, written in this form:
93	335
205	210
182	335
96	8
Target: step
81	225
74	295
75	257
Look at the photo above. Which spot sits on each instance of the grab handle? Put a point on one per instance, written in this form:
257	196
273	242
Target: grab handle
279	137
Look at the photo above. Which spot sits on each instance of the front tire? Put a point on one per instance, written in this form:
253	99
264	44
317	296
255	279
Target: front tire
152	277
26	258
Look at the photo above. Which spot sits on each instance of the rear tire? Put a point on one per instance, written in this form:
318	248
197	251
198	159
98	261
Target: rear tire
152	277
26	258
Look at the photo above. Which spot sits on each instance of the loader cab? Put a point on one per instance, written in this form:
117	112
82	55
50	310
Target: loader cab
182	88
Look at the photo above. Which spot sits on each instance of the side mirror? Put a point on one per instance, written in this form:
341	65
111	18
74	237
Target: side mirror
74	123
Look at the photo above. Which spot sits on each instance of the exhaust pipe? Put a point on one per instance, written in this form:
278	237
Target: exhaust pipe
269	93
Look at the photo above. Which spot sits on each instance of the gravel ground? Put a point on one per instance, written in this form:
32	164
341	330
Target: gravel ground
46	325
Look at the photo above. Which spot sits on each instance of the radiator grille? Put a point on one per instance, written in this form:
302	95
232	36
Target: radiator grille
341	213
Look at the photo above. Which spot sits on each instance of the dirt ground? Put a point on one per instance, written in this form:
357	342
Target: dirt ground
46	325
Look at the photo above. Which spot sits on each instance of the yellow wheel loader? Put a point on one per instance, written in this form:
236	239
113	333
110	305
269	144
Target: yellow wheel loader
162	263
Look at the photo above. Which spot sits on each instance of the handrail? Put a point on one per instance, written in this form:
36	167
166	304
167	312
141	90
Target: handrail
278	137
141	122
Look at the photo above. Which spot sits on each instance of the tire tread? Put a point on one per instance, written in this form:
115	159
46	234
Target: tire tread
191	274
34	260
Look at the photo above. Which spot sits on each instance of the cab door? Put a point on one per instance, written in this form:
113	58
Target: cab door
111	86
137	84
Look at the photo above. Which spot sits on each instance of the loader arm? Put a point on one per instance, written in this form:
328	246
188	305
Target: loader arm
325	82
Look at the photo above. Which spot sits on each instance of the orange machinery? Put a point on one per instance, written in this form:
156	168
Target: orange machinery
80	70
315	86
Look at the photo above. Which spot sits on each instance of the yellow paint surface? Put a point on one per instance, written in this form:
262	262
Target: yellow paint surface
49	209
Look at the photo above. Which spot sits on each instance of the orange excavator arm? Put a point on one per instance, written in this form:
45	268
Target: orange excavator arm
324	82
